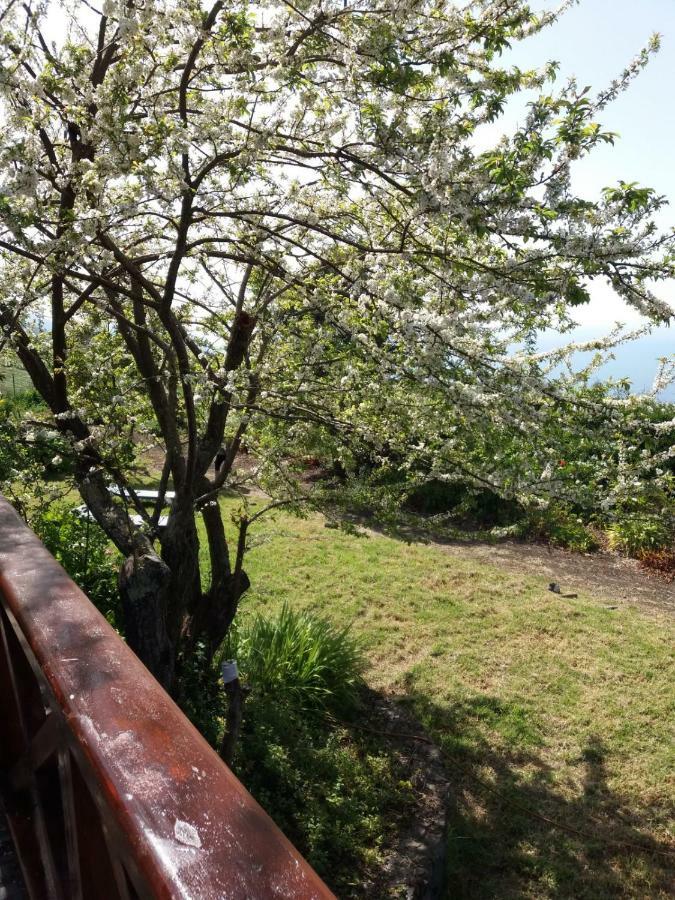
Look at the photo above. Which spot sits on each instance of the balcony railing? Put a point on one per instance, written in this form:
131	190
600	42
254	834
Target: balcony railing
110	792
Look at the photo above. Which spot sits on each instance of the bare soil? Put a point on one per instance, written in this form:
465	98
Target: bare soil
611	578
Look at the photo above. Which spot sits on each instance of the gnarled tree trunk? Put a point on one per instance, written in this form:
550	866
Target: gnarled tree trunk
145	583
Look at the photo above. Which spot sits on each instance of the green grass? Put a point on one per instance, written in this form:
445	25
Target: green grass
14	380
549	709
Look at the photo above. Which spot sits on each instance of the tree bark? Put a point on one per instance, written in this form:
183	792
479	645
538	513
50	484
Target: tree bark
144	583
180	553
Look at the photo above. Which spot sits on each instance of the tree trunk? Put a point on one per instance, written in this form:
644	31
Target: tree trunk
164	607
180	552
217	611
144	584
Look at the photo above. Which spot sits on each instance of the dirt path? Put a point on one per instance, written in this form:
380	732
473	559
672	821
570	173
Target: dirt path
611	578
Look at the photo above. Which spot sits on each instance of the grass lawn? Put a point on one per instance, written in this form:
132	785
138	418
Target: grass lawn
14	380
549	709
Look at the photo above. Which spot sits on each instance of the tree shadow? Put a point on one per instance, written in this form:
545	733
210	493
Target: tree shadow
338	787
515	831
411	528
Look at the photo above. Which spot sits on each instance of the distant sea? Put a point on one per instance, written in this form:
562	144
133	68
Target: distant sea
636	360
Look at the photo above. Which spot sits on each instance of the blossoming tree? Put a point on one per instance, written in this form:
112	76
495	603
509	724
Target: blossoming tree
216	216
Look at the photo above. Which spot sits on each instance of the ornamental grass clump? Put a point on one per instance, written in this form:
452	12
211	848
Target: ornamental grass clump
302	659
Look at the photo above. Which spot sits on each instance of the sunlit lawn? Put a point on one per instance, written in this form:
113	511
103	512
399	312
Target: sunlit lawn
548	708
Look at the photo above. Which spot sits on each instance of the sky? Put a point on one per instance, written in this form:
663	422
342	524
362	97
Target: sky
594	41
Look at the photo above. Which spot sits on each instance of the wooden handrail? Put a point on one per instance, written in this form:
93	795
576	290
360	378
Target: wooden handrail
110	791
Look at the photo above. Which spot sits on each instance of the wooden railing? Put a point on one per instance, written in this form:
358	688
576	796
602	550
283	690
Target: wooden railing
110	791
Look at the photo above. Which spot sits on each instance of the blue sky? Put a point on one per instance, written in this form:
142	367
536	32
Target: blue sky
594	41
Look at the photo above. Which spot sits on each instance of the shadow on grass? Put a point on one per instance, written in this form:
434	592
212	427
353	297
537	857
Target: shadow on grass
502	842
340	792
347	793
418	529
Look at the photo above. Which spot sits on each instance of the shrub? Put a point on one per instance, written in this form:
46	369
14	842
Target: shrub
640	533
330	786
475	506
85	553
335	793
434	496
302	658
16	406
572	534
199	693
661	561
560	527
